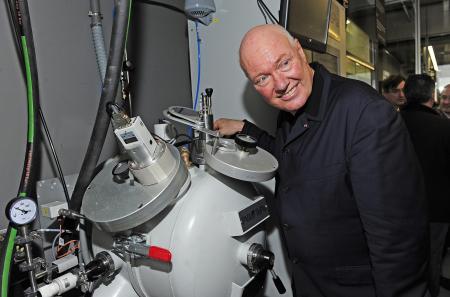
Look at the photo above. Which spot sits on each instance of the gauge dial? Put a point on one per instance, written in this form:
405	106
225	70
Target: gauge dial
21	211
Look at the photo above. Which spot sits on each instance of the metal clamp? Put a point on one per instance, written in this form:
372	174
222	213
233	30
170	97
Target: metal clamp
20	240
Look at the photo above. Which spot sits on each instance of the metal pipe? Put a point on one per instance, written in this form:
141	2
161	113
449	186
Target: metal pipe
418	64
29	259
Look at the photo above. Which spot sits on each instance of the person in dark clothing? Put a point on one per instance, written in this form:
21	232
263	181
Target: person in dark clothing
392	90
430	135
349	192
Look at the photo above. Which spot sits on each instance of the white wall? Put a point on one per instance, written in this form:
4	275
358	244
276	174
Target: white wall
443	76
234	96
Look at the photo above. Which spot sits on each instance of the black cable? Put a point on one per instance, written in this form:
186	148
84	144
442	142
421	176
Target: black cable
109	91
262	11
55	156
272	17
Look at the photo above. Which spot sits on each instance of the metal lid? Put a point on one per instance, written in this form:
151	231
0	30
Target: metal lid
254	164
121	204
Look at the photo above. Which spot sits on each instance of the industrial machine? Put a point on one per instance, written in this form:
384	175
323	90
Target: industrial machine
177	229
154	224
163	218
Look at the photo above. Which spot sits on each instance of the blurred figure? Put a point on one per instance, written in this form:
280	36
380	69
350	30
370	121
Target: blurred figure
444	102
430	134
392	90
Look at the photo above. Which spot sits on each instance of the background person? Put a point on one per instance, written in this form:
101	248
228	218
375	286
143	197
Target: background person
430	135
392	90
444	102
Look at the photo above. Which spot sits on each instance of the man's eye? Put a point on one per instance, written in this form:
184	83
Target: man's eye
261	80
285	65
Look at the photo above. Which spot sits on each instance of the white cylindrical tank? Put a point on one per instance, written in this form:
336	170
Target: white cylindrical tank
209	221
204	231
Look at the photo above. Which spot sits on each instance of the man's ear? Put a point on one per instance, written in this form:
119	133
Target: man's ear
300	51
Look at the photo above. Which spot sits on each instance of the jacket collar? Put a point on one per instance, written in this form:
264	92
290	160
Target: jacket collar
315	107
419	107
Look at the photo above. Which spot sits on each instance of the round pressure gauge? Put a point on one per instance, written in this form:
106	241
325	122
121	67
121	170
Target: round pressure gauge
21	211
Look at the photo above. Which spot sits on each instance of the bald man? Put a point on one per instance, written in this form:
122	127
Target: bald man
349	192
444	101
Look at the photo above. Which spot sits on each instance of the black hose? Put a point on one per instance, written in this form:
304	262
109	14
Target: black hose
17	31
22	28
109	91
29	175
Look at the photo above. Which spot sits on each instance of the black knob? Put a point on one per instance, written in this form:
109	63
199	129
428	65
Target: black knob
101	266
121	172
259	259
209	91
245	142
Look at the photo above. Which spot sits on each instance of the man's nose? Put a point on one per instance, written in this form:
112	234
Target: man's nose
281	83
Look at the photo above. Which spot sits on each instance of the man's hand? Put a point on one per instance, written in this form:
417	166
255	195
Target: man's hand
228	127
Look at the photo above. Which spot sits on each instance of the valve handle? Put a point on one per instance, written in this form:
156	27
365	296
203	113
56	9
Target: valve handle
209	91
277	282
160	254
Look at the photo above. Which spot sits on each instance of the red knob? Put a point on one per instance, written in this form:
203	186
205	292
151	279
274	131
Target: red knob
160	254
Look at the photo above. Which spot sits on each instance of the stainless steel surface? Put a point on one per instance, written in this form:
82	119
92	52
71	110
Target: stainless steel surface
417	34
114	206
176	113
159	169
255	166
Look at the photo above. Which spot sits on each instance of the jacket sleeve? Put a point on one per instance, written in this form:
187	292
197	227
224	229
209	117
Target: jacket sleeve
265	140
389	192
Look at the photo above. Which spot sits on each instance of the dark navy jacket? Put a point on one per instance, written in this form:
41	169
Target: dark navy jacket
349	193
430	135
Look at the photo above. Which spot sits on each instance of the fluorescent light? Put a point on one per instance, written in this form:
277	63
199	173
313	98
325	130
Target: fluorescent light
334	35
433	57
358	61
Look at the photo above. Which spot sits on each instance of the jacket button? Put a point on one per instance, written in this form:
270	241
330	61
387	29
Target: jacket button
285	189
294	260
285	226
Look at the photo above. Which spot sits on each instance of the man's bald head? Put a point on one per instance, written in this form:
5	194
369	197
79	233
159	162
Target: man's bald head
277	67
262	35
447	88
